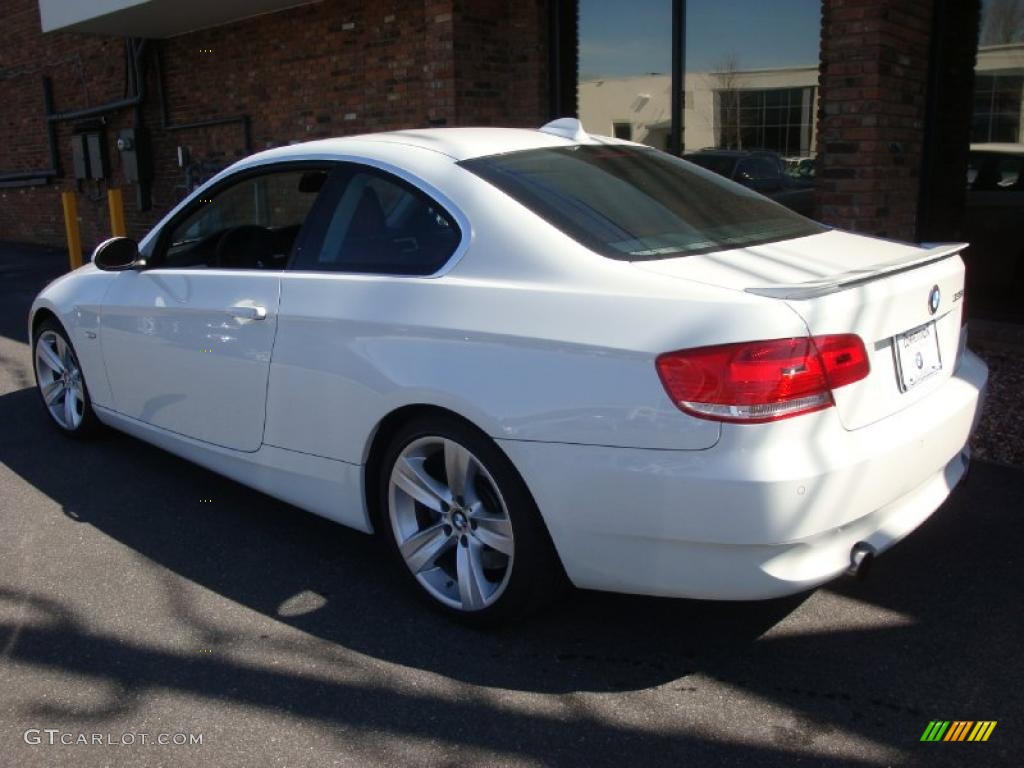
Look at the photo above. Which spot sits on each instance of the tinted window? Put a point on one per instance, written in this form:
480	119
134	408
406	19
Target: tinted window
251	224
371	221
629	203
720	164
995	172
757	169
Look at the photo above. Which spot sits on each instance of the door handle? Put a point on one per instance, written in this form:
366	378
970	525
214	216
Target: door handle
248	313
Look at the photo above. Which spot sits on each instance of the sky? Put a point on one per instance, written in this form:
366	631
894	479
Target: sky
631	37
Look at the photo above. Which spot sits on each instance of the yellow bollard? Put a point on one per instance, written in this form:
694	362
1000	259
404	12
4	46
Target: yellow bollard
115	203
71	229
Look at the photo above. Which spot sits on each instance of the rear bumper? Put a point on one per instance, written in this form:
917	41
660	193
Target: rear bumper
771	510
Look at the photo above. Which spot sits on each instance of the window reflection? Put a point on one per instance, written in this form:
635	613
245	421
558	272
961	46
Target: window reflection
751	73
749	90
996	103
625	60
777	119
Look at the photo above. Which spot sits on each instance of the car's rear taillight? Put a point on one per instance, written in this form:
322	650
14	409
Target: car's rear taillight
760	381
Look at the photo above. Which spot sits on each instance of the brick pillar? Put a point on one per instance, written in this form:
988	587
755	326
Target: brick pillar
874	74
439	69
501	62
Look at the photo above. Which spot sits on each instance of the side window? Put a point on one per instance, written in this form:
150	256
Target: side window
371	221
251	224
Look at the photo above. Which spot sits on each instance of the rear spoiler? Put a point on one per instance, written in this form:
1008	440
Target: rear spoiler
815	288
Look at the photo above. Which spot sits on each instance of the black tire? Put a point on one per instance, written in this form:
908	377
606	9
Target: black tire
536	576
89	425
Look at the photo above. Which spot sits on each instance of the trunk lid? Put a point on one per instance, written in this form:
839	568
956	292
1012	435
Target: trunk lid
838	282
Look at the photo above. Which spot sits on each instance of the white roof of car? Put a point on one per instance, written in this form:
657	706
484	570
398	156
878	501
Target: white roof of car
457	143
464	143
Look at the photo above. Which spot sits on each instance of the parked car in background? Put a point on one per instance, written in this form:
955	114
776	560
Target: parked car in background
801	168
519	355
995	207
761	171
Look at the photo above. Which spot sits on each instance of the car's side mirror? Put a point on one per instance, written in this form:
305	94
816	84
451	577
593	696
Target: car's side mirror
117	254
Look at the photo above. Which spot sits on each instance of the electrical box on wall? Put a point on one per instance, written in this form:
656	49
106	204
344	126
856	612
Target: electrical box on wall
79	156
89	155
134	149
127	145
97	151
136	166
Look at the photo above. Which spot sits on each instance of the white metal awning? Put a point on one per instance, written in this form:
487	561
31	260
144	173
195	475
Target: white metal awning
150	18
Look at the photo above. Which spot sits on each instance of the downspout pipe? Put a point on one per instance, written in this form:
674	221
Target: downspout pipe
137	84
137	81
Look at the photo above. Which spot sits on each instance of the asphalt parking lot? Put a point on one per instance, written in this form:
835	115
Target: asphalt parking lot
142	595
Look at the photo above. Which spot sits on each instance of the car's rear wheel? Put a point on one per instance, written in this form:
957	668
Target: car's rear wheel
462	522
60	381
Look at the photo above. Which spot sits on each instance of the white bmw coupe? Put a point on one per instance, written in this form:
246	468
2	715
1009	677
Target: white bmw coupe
523	355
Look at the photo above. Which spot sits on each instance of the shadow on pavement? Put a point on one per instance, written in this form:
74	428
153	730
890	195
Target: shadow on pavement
24	270
260	553
955	586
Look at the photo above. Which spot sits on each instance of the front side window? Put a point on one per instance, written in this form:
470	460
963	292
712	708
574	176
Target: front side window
251	224
635	204
371	221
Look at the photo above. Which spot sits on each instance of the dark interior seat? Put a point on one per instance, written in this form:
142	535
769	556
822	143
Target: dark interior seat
245	247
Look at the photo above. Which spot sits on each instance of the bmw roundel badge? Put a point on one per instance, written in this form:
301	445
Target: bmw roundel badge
933	299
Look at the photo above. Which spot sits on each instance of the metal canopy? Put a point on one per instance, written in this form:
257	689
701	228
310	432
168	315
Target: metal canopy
150	18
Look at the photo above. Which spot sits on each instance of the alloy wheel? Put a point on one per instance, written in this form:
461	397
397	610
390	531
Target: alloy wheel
60	380
451	523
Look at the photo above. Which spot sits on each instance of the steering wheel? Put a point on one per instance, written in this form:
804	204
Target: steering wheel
244	246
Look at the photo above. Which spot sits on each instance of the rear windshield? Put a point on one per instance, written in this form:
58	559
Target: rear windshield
638	204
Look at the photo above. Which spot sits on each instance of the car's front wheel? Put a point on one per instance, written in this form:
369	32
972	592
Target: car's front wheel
60	381
459	517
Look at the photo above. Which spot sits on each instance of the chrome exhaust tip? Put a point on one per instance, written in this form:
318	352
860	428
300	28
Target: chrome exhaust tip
861	557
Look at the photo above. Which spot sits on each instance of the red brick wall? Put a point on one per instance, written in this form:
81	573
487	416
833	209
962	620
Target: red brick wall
82	69
334	68
497	83
874	70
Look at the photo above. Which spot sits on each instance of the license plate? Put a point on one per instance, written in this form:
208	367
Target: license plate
917	355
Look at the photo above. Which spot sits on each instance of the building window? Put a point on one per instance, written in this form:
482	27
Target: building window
778	119
622	131
997	108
